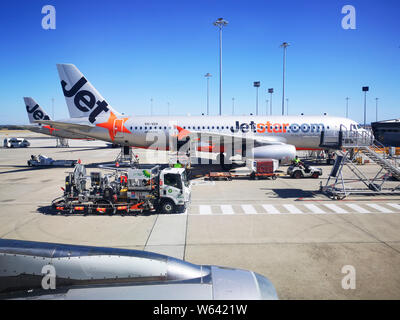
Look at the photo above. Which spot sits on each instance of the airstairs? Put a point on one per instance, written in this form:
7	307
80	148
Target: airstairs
126	157
62	143
348	146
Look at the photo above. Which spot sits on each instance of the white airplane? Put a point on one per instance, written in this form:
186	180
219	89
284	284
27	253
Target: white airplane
36	114
275	137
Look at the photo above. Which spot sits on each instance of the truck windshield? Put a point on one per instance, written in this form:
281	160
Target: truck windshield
173	180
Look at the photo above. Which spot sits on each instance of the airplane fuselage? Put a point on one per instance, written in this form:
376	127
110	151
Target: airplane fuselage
140	131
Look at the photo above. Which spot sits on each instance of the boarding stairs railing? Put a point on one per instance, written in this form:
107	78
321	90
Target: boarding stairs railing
348	144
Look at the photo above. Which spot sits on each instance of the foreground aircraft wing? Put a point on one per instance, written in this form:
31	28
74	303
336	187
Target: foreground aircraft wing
67	125
81	272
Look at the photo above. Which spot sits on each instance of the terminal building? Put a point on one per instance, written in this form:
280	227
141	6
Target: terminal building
387	132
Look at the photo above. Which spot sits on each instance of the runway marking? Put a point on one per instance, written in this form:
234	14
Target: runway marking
205	209
394	205
379	208
335	208
227	209
269	208
314	208
357	208
248	209
292	208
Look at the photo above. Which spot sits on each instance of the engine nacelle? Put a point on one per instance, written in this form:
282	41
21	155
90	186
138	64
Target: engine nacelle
285	153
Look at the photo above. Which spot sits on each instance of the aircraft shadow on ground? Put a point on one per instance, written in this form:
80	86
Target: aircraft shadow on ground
23	169
84	149
287	193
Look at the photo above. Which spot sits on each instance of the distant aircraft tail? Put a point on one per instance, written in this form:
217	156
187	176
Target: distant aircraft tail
82	98
35	112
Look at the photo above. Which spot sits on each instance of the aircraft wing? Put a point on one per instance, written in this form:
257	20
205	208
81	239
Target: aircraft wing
67	125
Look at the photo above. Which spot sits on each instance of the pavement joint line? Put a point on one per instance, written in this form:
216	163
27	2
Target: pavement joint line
288	243
186	232
19	226
151	231
371	235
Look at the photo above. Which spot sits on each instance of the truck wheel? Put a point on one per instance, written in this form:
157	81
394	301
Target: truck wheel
168	207
274	177
315	175
297	175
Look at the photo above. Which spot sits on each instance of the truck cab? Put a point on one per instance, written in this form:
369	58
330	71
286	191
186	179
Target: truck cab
174	190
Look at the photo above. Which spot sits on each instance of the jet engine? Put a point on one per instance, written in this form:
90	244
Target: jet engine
285	153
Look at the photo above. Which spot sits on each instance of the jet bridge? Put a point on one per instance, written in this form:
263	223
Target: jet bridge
348	145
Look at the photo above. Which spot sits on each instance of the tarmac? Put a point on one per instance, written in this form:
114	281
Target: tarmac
284	229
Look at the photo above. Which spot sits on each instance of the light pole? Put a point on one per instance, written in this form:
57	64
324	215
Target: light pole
208	75
376	110
52	107
266	107
284	45
270	91
347	107
256	84
233	106
287	106
220	23
365	89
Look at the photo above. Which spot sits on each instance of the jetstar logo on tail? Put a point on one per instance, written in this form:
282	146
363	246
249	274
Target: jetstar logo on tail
85	100
37	113
114	125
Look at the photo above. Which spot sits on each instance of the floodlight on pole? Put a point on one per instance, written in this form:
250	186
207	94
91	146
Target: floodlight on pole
270	91
220	23
347	107
365	90
256	84
208	75
284	45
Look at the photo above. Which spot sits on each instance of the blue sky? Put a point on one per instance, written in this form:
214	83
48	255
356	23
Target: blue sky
132	51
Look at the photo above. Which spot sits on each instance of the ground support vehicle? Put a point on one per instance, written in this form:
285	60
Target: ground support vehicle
298	171
15	143
124	191
43	161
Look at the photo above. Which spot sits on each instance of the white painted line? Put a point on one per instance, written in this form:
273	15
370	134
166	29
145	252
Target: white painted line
357	208
334	208
394	205
270	209
314	208
248	209
292	208
379	208
227	209
205	209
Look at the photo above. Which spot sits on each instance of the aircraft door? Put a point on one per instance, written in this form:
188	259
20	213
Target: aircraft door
118	128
